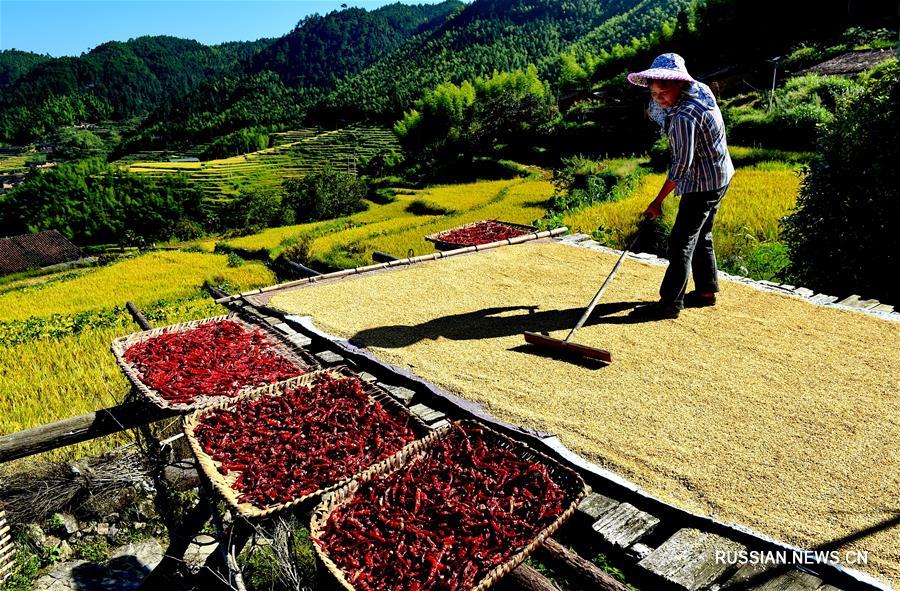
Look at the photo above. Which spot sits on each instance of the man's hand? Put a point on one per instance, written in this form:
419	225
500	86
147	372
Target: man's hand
653	211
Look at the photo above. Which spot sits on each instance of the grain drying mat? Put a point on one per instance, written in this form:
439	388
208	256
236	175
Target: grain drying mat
564	477
764	410
277	344
223	483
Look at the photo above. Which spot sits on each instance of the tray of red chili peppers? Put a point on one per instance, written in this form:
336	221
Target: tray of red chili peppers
194	364
454	511
481	232
282	445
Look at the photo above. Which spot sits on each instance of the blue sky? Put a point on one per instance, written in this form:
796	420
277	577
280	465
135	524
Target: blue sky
71	27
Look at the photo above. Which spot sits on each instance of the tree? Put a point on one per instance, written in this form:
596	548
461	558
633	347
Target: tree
254	210
92	202
74	144
843	237
507	109
325	194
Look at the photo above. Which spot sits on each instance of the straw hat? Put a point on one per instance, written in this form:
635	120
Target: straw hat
668	66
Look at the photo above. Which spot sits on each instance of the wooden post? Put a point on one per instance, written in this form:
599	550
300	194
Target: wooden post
383	257
529	579
138	316
85	427
585	570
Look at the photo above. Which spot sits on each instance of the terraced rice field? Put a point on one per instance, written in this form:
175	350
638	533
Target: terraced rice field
397	229
294	154
55	336
749	215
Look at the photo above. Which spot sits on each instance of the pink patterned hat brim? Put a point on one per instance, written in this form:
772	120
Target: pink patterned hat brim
643	78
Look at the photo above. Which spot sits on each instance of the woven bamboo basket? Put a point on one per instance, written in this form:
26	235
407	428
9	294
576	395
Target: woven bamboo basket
223	483
278	344
441	244
563	476
7	549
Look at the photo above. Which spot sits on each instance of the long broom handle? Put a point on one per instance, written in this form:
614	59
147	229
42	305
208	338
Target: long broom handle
593	304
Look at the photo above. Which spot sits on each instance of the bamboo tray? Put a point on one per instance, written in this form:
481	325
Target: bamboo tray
441	244
223	483
569	480
278	344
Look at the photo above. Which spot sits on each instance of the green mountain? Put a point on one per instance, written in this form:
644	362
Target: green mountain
14	64
115	80
493	35
289	75
321	50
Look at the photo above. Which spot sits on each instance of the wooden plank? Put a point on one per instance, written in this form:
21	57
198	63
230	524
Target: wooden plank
81	428
853	300
624	525
404	395
595	505
329	357
756	577
138	316
584	570
821	298
688	561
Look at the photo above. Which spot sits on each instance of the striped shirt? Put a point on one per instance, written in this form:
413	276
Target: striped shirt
700	159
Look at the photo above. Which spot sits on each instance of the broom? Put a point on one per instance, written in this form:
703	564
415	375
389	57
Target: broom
566	346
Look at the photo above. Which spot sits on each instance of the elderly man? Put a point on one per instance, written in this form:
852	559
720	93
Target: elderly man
700	172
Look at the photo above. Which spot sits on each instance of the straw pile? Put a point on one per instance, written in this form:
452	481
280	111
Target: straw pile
765	410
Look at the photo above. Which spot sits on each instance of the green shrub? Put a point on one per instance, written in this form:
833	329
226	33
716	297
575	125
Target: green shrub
234	260
298	250
800	108
324	194
24	571
421	207
261	568
242	141
92	202
843	236
255	209
92	550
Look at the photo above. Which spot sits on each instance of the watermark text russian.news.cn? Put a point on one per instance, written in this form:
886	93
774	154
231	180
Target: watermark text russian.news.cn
793	557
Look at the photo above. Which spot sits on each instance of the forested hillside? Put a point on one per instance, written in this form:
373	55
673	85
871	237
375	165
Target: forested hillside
14	64
113	81
288	75
491	35
323	49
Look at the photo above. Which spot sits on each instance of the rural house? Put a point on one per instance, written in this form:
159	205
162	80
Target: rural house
31	251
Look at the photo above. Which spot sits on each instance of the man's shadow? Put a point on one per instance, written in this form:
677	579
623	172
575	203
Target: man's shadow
490	323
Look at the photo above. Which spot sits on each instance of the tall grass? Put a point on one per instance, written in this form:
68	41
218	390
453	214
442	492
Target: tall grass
55	360
144	280
748	218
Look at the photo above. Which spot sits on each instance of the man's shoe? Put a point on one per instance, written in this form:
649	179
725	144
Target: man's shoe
695	299
655	311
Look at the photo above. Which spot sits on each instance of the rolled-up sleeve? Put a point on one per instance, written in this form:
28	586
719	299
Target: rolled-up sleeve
682	135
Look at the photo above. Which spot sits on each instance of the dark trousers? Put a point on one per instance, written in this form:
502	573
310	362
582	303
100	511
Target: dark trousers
691	247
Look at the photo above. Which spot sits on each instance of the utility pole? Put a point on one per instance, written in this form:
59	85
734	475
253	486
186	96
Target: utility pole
774	61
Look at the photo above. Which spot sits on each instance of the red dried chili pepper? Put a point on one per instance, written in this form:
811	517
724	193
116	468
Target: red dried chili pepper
443	521
334	446
218	358
480	233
